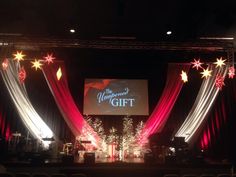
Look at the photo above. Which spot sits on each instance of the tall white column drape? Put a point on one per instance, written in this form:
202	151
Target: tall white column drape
31	119
206	96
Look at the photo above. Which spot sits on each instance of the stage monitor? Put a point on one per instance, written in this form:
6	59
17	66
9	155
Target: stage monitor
115	97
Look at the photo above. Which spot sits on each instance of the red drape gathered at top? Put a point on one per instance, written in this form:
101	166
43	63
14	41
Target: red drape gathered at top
66	104
172	88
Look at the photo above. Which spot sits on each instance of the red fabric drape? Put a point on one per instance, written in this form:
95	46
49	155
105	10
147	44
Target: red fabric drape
159	116
4	126
66	104
219	118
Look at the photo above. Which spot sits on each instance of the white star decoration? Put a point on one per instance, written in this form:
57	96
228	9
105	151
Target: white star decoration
220	62
206	73
19	56
36	64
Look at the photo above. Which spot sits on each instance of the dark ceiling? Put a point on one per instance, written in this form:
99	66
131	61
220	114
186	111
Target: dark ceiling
143	19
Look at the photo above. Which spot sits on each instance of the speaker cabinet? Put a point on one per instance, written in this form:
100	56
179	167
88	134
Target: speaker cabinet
148	158
68	159
89	157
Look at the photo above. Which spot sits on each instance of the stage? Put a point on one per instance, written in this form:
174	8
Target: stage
118	168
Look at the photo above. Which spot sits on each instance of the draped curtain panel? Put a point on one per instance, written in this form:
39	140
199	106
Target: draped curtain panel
207	94
61	93
213	128
171	91
5	131
220	119
31	119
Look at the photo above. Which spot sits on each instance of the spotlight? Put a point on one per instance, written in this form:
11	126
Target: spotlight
72	30
169	32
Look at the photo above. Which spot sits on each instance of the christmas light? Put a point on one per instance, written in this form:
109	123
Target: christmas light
196	64
36	64
220	62
184	76
219	82
49	58
5	64
22	75
59	73
231	72
206	73
19	56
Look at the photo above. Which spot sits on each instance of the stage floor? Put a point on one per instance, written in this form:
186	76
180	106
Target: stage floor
107	167
117	169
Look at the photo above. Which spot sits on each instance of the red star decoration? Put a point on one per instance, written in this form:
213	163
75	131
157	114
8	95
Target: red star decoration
196	64
49	58
219	82
5	64
22	75
231	72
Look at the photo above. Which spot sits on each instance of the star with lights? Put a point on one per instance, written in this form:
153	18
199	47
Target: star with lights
49	58
36	64
196	64
206	73
19	56
22	75
219	62
59	73
219	82
5	64
231	72
184	76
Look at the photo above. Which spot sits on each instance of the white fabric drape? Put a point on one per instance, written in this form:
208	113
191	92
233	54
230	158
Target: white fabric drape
202	105
26	111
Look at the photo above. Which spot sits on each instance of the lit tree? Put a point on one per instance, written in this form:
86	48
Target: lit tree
138	149
128	134
139	129
98	127
112	137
